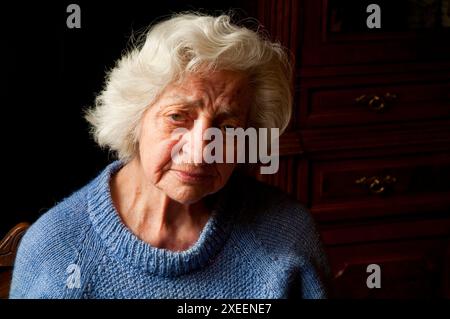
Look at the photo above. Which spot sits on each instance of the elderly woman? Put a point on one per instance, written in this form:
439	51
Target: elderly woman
149	226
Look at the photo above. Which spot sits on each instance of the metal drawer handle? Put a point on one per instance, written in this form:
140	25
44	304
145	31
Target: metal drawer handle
375	102
376	184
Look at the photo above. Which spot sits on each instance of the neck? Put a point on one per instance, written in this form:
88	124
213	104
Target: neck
153	216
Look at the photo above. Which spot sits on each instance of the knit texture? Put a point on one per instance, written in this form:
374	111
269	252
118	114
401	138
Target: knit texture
257	243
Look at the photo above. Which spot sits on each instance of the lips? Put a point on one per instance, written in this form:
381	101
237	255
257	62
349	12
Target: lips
193	176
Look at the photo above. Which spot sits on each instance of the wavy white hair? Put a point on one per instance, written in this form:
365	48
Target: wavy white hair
189	43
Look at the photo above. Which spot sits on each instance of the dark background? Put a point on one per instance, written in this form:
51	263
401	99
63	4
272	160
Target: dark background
54	73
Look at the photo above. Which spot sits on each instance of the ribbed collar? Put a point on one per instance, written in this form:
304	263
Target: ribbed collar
124	245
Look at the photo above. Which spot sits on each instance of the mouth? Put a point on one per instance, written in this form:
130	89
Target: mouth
193	177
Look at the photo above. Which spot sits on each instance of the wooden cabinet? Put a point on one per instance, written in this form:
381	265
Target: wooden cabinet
334	32
375	99
410	269
368	149
378	187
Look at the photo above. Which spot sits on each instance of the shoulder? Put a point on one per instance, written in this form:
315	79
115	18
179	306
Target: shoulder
49	247
275	215
287	231
62	223
61	219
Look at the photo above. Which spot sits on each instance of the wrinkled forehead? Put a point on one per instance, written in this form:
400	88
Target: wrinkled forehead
227	90
224	82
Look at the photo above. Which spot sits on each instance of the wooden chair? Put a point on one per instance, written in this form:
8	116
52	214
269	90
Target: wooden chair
8	249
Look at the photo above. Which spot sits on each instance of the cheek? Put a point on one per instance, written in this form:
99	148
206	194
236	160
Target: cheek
155	154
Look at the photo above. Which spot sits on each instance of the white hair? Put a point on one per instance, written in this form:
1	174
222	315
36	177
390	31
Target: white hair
189	43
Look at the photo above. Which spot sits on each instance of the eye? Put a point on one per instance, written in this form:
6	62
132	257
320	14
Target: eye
177	117
228	126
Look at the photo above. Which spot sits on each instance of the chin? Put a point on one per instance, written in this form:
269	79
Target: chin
185	194
186	191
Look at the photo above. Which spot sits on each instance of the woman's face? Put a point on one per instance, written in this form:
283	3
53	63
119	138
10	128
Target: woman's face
220	99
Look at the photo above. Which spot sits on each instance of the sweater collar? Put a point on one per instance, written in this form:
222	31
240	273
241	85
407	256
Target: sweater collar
124	245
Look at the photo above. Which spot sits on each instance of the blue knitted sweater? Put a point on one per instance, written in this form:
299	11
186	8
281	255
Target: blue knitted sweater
257	243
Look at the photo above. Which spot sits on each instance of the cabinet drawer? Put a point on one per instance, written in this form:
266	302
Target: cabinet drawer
413	256
344	105
408	269
368	187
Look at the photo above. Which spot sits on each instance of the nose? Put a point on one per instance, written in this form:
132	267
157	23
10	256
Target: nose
195	143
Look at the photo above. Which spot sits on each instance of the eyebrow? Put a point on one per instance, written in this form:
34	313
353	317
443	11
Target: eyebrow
184	100
225	109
